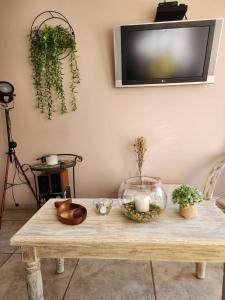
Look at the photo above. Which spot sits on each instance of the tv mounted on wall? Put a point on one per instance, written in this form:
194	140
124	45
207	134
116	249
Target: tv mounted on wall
166	53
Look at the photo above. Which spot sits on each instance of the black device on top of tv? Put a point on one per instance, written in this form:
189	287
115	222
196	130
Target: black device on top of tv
169	11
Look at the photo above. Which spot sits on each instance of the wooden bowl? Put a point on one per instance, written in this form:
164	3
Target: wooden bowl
70	213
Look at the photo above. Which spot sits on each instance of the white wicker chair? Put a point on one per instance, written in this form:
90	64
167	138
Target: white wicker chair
208	195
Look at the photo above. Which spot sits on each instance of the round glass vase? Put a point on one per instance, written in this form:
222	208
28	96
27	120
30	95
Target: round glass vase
137	189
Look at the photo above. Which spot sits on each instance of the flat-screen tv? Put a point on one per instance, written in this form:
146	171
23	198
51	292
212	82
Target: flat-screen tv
166	53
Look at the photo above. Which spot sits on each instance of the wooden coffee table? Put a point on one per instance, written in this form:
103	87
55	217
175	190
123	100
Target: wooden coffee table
169	238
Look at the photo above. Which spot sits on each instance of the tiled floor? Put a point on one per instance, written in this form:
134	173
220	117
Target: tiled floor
103	280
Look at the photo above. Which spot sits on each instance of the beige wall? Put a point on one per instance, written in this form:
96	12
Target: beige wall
184	125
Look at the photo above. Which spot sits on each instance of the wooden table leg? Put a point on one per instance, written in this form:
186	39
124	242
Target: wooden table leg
33	274
223	288
200	270
59	265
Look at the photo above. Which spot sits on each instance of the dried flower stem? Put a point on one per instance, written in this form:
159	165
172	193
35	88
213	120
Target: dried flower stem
140	149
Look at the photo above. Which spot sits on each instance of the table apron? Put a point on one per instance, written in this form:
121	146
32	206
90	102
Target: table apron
185	253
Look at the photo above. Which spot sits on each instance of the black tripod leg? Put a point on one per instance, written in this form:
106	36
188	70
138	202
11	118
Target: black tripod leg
4	190
25	176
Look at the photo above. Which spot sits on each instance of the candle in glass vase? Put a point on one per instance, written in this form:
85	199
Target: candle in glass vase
142	203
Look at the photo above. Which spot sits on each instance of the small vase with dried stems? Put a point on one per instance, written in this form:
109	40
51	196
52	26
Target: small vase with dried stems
143	191
140	148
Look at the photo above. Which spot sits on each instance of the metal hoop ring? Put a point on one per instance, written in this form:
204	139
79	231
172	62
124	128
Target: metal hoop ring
60	17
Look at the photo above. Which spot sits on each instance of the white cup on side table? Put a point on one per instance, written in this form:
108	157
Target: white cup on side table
51	160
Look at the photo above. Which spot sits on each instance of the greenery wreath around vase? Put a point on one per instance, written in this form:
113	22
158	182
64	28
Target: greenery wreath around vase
46	48
187	197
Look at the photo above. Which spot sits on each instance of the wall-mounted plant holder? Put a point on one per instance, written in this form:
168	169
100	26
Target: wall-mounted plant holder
47	16
49	45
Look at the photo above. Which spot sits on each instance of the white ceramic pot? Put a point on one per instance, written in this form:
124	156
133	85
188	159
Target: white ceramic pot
52	160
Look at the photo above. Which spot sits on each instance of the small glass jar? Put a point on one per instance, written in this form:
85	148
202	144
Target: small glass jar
144	191
103	206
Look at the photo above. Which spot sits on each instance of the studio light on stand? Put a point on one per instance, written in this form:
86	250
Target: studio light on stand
6	101
6	97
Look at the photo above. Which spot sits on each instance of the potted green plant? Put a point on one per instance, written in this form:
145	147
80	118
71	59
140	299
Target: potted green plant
187	197
47	46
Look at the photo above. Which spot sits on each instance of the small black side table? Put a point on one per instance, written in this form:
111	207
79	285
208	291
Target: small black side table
65	161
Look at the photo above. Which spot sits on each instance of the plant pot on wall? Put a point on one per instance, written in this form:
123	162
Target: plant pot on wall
49	45
189	212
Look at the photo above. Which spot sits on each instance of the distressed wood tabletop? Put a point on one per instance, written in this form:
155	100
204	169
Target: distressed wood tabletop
170	237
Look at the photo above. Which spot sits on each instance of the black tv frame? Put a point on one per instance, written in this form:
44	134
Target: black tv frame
166	25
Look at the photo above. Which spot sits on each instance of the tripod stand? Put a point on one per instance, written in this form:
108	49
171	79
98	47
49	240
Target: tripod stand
12	158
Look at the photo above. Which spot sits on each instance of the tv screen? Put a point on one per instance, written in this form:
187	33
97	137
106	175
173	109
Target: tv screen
166	53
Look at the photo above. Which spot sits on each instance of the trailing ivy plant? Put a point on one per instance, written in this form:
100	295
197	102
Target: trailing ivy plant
46	48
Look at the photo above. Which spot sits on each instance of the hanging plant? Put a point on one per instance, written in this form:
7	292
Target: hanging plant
46	48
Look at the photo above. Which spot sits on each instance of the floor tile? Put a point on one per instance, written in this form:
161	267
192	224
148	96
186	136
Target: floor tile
9	228
18	214
111	280
13	284
178	281
55	284
3	258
